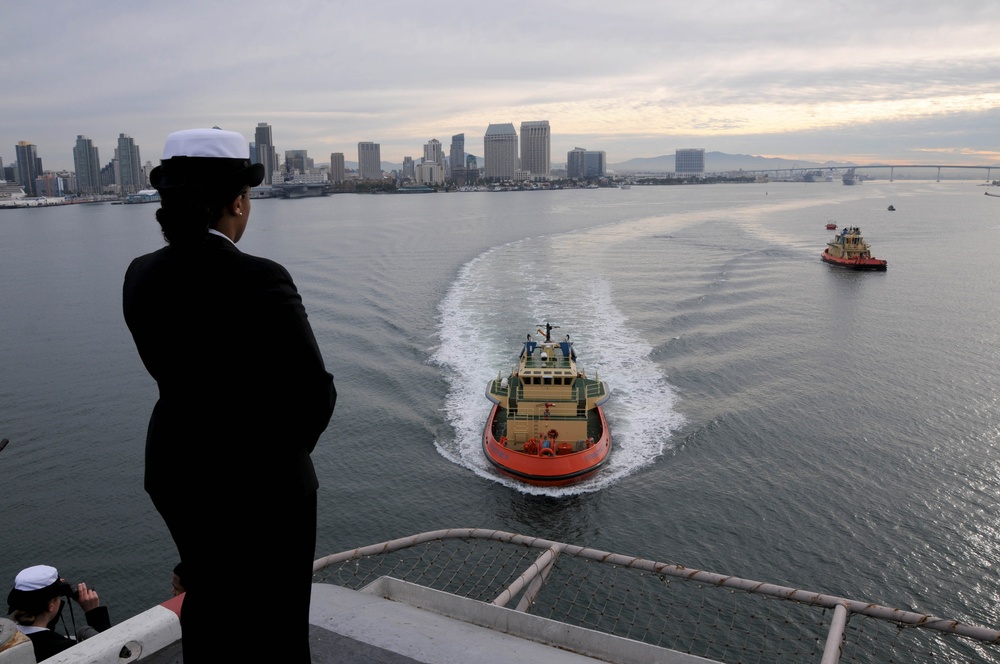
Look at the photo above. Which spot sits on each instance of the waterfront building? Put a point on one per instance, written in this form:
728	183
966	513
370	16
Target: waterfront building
500	151
50	185
87	164
585	164
430	172
337	171
265	152
128	170
456	158
369	160
536	155
595	164
28	166
689	161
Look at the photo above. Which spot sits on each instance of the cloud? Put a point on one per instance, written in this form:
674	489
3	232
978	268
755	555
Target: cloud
631	78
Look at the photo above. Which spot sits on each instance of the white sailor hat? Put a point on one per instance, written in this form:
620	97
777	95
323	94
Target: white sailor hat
205	158
34	587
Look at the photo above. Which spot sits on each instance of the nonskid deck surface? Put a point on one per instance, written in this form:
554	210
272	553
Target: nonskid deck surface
362	626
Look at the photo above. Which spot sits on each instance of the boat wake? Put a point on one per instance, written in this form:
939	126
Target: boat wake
502	295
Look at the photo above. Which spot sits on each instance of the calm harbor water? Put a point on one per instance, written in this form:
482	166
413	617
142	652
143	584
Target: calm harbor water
773	417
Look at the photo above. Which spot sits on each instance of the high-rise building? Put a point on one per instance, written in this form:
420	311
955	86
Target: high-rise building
595	164
369	161
128	172
29	166
297	161
87	165
581	163
337	167
108	174
266	153
536	155
689	161
575	167
500	151
434	152
456	158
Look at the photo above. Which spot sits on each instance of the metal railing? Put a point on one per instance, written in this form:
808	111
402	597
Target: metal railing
725	618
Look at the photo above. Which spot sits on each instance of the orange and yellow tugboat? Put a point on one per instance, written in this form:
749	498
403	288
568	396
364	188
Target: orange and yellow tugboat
848	249
547	426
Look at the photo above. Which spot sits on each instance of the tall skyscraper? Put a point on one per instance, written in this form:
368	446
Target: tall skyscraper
29	166
456	158
575	167
369	161
536	156
500	151
129	168
87	165
265	150
337	167
434	152
689	161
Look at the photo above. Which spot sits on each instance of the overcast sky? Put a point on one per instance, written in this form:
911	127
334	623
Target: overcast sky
878	80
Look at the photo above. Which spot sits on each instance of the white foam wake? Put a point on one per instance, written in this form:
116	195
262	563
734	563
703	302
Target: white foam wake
499	297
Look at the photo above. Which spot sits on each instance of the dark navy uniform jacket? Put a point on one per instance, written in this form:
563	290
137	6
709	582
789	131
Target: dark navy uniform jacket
243	390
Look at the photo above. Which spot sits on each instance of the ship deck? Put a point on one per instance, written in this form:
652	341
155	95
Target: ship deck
469	594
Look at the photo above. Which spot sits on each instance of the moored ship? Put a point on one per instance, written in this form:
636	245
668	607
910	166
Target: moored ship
850	250
547	426
299	189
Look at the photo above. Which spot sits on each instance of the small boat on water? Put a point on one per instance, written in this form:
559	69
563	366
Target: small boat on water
547	426
848	249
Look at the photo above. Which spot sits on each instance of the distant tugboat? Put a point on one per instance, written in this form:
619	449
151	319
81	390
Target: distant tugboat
547	426
848	249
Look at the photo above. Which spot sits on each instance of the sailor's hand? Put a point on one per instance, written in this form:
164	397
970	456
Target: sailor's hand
87	598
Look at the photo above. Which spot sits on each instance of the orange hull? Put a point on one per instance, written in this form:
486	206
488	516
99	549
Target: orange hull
856	263
556	470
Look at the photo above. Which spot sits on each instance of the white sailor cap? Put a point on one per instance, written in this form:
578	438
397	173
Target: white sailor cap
34	587
35	578
204	158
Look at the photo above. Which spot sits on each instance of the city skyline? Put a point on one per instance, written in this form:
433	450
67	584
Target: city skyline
863	82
